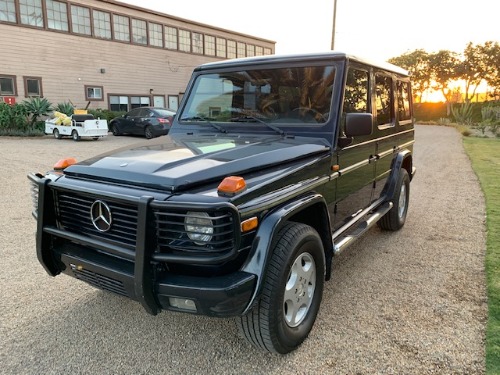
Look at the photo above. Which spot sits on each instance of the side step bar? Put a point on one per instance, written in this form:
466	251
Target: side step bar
355	229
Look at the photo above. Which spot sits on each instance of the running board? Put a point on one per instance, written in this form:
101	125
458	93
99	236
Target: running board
357	229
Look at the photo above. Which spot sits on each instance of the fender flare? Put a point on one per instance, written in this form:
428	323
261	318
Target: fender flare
264	240
398	162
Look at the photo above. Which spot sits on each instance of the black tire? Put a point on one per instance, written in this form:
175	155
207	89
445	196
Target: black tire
75	136
148	132
114	130
296	270
396	217
56	134
95	138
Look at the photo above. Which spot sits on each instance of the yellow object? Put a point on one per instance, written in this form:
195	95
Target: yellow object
80	111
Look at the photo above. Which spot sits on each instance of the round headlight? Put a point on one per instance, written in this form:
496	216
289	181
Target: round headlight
199	227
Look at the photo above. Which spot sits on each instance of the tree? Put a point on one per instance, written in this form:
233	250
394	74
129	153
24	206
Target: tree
473	69
417	63
443	67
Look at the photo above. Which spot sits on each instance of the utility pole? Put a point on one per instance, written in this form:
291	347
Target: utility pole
334	22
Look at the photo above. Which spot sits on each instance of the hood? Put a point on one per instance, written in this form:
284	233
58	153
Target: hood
166	163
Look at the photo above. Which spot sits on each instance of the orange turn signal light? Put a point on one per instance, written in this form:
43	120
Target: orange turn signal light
231	185
64	163
249	224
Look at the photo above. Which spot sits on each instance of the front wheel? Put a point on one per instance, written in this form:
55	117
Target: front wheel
75	135
396	217
291	293
114	130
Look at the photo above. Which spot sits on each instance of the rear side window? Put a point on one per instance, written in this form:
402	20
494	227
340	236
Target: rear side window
404	111
384	101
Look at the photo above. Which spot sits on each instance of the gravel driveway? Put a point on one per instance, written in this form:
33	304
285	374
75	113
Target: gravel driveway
411	302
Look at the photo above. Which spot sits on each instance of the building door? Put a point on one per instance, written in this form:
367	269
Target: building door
173	102
159	101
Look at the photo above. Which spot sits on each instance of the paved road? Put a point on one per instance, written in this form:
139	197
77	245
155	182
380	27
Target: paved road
399	303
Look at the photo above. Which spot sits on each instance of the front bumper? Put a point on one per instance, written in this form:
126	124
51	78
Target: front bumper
220	296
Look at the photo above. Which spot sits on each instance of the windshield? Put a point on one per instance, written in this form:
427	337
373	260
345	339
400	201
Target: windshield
298	95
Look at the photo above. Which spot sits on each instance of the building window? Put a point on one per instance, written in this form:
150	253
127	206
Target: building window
118	103
241	49
197	42
221	47
139	101
268	51
33	86
8	85
57	15
155	35
80	20
102	24
7	10
31	12
93	93
250	50
139	32
121	28
209	45
184	40
170	37
231	49
259	51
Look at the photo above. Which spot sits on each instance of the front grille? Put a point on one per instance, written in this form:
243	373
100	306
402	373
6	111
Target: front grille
100	281
173	237
73	212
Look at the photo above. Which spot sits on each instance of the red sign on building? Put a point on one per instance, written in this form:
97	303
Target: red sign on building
11	100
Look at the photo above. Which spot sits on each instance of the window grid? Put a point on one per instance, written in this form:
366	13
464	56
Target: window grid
241	49
139	32
250	50
80	20
171	37
197	42
259	51
121	28
94	93
31	12
231	49
267	51
57	15
8	11
102	24
155	35
184	41
209	45
221	47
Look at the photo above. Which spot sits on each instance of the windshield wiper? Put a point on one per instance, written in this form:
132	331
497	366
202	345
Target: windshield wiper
204	119
247	118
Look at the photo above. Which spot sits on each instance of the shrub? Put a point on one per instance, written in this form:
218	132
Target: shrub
105	114
36	108
462	113
66	108
13	117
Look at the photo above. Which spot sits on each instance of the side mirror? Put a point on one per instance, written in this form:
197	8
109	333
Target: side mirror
357	124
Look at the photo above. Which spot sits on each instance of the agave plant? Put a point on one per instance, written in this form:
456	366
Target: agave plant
36	108
462	113
66	108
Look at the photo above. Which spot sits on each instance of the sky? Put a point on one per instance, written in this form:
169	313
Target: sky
374	29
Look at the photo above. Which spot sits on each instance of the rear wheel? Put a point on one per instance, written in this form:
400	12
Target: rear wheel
291	293
75	136
396	217
148	132
56	134
114	130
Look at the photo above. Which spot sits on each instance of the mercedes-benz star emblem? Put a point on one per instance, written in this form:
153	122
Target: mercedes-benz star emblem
100	214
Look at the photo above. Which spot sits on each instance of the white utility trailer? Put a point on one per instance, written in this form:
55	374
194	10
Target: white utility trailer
81	126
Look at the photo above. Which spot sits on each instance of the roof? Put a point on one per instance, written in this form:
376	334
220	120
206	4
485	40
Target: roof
334	55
